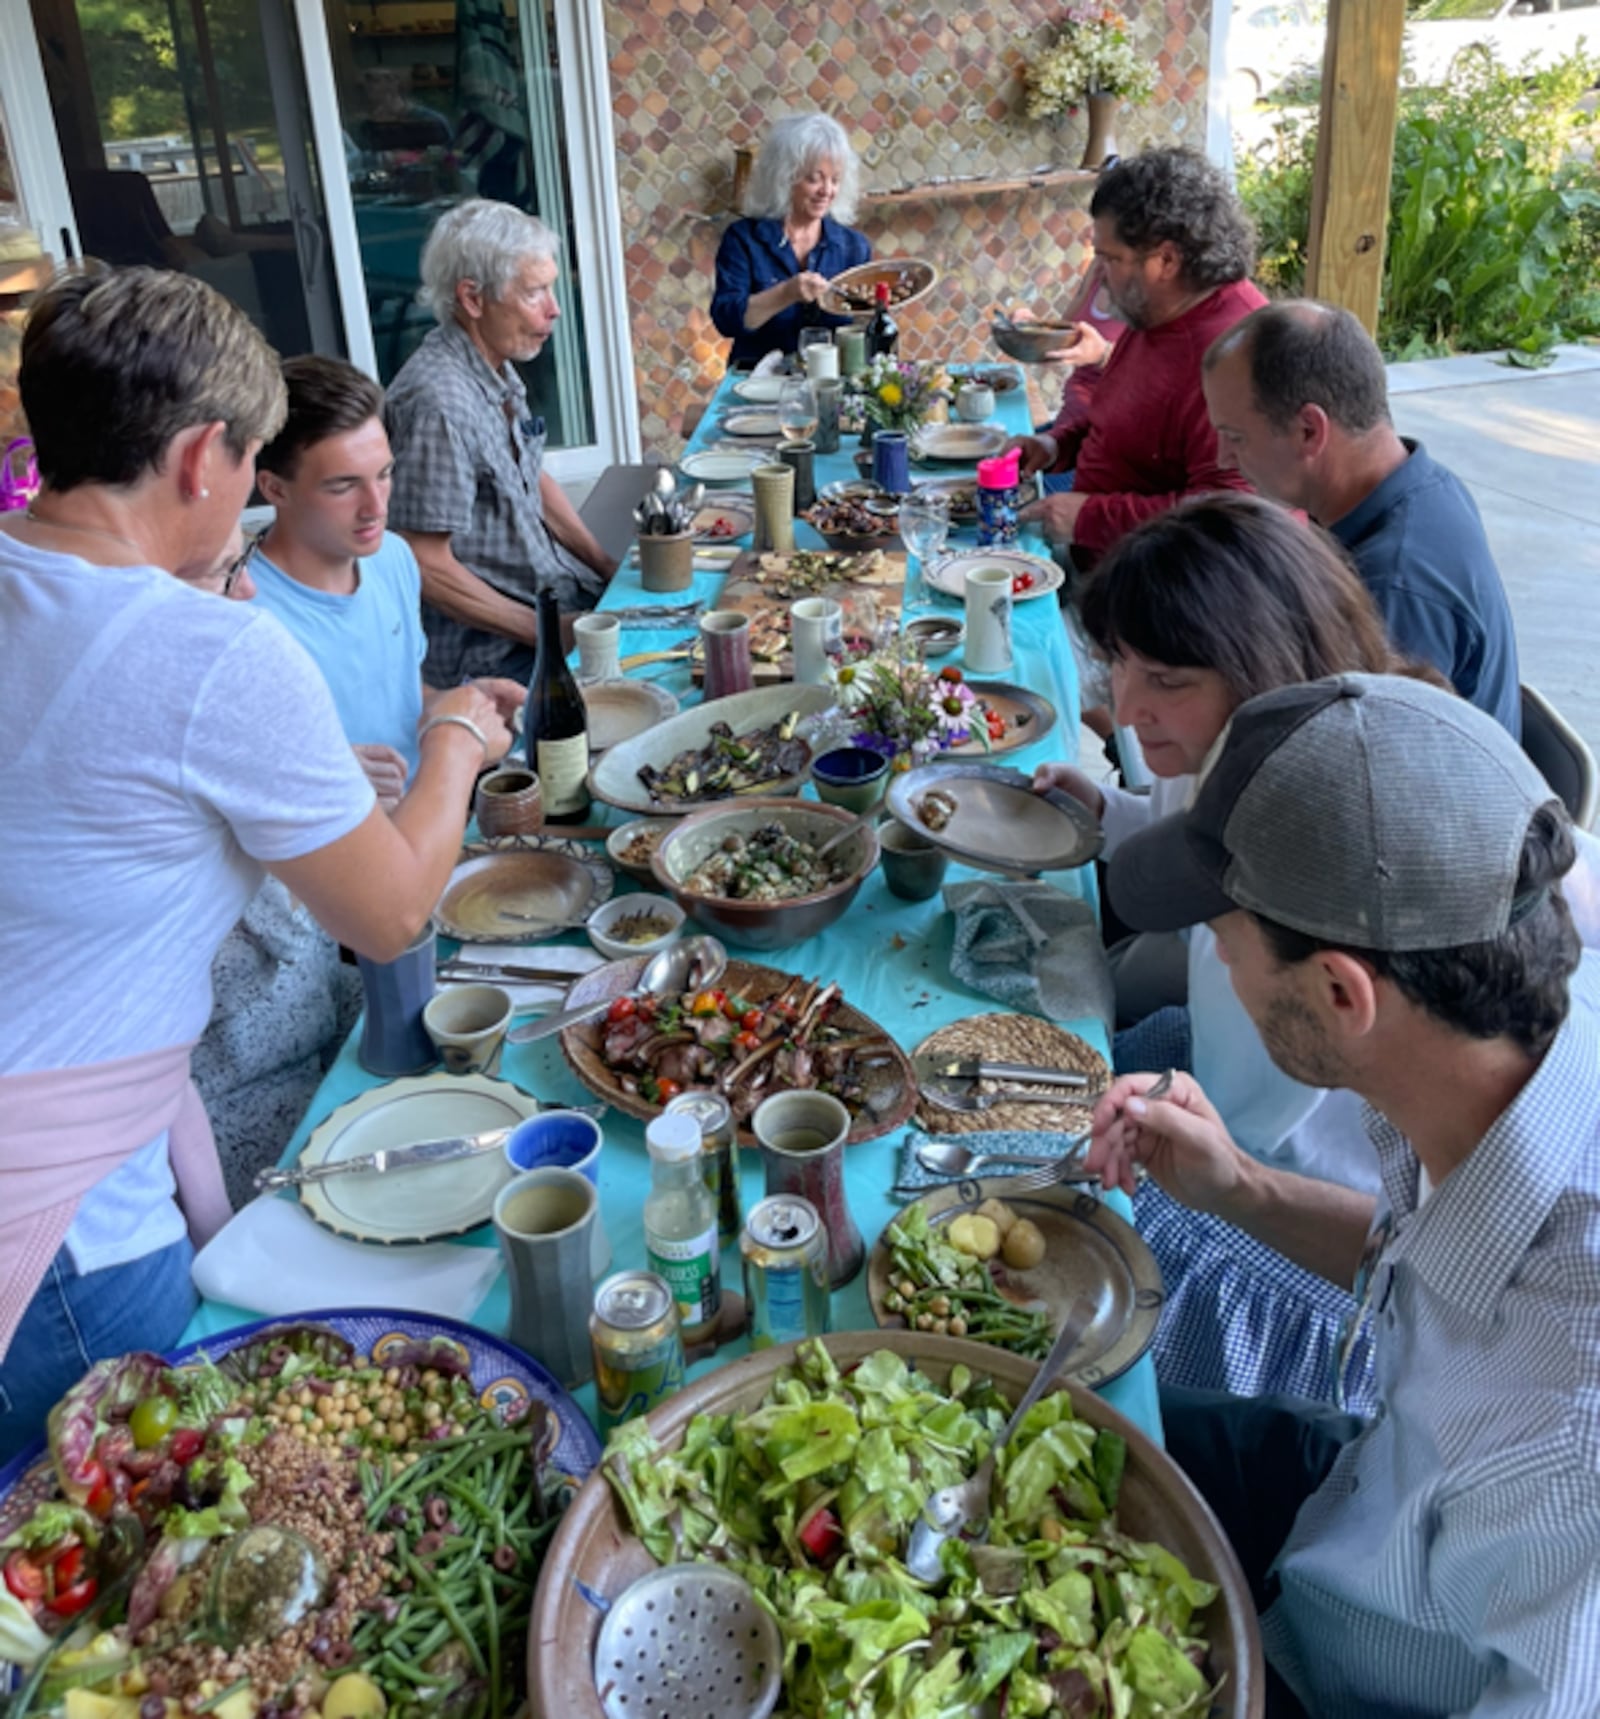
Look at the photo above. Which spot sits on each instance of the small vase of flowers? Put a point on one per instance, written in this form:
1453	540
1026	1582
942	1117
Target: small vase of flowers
1093	62
898	393
890	701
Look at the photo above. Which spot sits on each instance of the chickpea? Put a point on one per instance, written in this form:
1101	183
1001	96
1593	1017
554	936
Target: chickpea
303	1397
363	1416
941	1327
294	1413
433	1414
907	1288
924	1321
940	1305
958	1326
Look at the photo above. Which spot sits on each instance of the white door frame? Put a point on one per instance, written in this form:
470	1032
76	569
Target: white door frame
596	208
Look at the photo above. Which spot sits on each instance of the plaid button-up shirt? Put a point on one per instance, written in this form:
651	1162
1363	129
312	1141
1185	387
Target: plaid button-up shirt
467	462
1450	1563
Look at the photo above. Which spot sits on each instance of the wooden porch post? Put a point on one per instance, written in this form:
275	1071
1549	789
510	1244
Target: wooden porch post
1355	152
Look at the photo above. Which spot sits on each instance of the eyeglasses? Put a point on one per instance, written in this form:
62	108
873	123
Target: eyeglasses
1367	1301
235	568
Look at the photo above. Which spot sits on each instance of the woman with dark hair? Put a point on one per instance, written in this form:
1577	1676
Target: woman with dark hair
775	263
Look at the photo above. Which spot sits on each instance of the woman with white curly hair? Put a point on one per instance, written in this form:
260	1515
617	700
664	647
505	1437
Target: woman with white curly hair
774	264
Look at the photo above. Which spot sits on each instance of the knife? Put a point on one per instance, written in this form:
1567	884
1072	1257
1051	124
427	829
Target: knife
956	1068
495	970
390	1159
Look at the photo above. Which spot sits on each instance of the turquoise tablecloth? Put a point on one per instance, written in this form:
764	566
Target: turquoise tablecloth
891	957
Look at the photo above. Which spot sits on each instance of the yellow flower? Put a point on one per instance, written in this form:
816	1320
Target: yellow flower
890	394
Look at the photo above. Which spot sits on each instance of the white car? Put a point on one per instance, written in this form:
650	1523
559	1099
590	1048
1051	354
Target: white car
1445	33
1271	41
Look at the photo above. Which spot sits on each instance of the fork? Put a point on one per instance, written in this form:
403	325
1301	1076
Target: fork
1070	1167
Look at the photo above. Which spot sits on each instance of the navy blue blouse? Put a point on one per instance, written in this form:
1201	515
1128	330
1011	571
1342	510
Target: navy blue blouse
755	255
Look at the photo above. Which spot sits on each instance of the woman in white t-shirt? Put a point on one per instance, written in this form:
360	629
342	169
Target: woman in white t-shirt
1197	611
160	750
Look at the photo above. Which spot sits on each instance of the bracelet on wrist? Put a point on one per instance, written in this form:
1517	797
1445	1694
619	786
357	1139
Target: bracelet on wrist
465	722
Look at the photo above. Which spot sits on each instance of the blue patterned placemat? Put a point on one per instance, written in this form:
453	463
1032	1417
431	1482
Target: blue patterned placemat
912	1179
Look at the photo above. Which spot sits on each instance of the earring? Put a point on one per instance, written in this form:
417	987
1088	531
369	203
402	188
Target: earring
205	495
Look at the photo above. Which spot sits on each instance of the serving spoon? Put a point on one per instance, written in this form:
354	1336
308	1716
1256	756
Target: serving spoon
964	1510
952	1158
690	965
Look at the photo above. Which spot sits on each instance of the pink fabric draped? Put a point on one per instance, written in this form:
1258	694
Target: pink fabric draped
64	1130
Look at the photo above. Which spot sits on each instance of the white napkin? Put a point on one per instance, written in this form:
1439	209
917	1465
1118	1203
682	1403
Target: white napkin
770	365
271	1258
574	961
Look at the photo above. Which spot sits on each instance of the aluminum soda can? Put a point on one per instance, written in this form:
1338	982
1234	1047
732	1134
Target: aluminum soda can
785	1252
638	1347
721	1155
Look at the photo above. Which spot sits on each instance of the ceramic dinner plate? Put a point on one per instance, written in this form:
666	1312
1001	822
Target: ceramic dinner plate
714	468
1089	1250
962	442
948	573
724	519
751	424
620	709
960	496
1028	717
760	390
995	820
410	1206
520	893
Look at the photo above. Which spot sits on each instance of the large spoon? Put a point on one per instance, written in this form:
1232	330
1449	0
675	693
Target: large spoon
952	1158
687	966
964	1509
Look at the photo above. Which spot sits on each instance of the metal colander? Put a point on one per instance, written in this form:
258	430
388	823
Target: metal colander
685	1640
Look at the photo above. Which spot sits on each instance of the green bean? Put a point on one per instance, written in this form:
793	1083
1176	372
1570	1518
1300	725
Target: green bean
425	1578
486	1588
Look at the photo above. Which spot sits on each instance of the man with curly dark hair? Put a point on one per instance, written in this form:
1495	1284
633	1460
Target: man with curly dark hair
1177	249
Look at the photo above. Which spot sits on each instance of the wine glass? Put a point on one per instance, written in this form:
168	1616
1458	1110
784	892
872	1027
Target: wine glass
924	526
797	410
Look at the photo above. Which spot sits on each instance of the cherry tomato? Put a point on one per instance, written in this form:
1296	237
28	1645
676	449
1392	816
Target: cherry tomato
747	1040
622	1009
71	1589
23	1576
951	674
152	1419
100	1495
187	1445
666	1090
822	1536
750	1020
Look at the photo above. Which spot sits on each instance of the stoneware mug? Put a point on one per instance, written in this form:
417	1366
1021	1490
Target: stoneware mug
544	1222
802	1137
989	620
508	802
394	1040
468	1026
567	1140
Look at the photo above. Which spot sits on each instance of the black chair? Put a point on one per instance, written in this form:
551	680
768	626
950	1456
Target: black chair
1563	757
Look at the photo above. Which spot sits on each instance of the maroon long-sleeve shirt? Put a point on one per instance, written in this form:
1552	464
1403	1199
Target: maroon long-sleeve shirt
1148	442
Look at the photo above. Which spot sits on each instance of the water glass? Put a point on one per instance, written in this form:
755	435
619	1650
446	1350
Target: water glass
797	410
924	526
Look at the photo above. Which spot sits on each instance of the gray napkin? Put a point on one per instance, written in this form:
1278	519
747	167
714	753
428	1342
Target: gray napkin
1028	945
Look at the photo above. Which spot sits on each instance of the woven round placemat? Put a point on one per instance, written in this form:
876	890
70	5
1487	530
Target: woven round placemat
1014	1038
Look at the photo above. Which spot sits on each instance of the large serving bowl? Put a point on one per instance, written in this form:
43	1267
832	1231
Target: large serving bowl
1031	342
594	1555
764	924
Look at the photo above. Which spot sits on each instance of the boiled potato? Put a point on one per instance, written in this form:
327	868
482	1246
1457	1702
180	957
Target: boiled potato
1024	1246
353	1696
242	1704
975	1235
1000	1214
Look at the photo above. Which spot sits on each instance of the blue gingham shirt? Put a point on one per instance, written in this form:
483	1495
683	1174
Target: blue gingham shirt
467	462
1450	1563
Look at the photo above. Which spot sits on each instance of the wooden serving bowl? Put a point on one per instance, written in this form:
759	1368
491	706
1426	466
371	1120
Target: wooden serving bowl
594	1555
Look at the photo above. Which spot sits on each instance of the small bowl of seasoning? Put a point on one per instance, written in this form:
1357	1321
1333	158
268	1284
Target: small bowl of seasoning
634	925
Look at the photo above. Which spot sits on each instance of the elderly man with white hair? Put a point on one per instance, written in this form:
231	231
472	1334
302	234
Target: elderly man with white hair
489	526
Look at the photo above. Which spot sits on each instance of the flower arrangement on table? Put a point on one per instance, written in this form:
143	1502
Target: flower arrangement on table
890	701
1093	54
899	393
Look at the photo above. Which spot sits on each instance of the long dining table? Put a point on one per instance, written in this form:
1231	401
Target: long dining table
891	957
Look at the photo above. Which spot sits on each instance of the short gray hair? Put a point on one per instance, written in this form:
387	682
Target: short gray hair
793	147
480	241
1301	352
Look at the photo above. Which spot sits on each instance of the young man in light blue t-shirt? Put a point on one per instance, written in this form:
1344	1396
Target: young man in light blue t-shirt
347	589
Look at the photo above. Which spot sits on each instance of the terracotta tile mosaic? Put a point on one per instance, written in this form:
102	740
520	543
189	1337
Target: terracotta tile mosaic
921	90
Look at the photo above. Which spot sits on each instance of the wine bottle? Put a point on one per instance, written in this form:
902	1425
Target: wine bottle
883	332
555	726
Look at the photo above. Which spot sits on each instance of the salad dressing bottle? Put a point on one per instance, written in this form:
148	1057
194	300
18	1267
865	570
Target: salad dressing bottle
680	1225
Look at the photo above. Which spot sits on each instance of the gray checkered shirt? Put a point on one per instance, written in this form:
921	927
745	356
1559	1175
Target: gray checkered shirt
1450	1563
467	462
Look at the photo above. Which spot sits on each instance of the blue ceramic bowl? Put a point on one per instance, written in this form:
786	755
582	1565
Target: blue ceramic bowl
853	777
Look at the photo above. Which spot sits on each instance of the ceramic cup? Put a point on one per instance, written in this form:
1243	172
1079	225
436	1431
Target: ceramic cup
974	403
567	1140
726	635
816	629
829	397
599	640
821	360
394	1040
509	802
913	867
853	777
989	620
666	563
802	1138
468	1025
801	458
773	486
852	344
891	462
543	1221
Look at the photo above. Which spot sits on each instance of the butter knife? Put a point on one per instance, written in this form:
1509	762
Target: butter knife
964	1068
390	1159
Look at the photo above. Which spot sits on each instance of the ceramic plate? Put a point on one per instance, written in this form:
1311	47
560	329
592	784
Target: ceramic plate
1089	1250
751	424
620	709
1028	717
715	468
850	292
614	777
949	573
523	891
961	497
760	390
998	823
581	1045
423	1205
501	1375
728	517
966	443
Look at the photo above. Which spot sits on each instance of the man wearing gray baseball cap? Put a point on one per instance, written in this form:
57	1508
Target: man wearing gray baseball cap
1380	864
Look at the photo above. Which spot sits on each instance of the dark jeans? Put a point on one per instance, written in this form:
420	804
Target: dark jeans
1255	1461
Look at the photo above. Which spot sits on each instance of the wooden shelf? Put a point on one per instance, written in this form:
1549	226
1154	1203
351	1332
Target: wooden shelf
947	191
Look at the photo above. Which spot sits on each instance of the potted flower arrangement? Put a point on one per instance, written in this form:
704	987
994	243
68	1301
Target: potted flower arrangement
891	702
898	393
1093	60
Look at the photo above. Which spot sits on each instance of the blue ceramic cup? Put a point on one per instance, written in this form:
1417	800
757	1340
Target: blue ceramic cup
562	1140
853	777
891	462
394	1040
